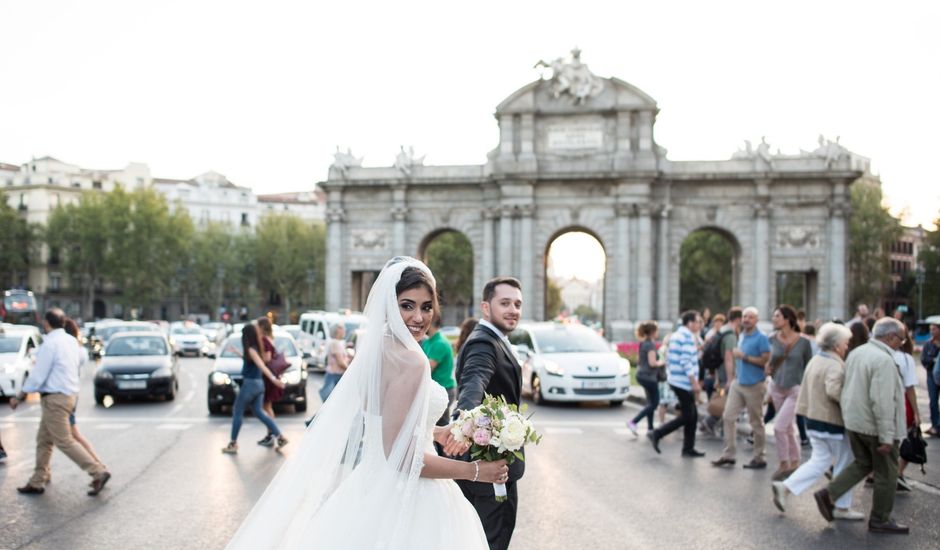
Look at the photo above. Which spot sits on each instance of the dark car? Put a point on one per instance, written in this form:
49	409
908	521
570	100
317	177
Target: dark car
226	375
137	364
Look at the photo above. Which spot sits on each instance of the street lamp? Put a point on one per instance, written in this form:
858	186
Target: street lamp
920	277
311	278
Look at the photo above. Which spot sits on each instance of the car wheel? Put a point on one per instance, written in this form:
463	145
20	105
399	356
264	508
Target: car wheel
537	397
616	403
215	408
300	407
171	395
99	398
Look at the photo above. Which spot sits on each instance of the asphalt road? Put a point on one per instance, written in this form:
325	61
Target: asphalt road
590	484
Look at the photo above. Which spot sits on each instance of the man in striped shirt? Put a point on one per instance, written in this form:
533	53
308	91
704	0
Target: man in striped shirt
682	369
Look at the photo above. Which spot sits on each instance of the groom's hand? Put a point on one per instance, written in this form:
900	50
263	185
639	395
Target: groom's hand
451	446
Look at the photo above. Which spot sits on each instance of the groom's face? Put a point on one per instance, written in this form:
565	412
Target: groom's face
505	309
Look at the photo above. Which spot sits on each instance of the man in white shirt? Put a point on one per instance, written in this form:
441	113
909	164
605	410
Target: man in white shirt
56	377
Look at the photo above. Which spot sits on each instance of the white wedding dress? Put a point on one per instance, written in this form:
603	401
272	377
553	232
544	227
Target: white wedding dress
354	481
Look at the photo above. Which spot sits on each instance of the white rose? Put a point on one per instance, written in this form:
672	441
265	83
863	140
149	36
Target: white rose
513	433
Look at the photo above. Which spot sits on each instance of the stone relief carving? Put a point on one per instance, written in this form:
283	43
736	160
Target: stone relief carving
798	236
344	161
369	239
572	78
406	161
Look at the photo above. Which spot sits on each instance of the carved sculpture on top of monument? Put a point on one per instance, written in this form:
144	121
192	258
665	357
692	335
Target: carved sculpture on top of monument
746	153
406	161
763	153
830	150
344	161
571	77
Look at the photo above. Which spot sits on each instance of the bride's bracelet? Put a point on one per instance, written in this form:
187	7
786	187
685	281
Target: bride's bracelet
476	475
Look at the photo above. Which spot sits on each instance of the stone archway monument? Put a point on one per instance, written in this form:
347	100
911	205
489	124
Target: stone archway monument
578	150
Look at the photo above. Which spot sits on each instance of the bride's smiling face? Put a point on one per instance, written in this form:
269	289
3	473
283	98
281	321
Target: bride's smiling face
417	309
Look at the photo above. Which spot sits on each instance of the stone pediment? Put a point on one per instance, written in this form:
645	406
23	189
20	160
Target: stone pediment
540	97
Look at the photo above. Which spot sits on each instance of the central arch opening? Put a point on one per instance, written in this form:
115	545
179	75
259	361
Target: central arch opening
449	254
707	271
576	264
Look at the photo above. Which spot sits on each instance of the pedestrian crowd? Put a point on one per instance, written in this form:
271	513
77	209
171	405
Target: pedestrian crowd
846	390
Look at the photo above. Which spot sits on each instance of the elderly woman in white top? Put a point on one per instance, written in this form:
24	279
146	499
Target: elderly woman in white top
821	390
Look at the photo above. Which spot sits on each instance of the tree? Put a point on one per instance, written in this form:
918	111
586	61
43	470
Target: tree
872	230
553	302
587	314
78	234
287	248
19	243
450	258
705	272
929	259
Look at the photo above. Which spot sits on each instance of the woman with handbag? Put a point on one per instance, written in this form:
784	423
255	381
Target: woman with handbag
647	374
819	403
277	365
904	359
789	355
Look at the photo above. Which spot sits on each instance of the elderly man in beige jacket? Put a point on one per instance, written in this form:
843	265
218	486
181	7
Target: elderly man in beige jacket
873	411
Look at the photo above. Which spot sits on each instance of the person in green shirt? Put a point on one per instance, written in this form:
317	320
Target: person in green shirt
441	356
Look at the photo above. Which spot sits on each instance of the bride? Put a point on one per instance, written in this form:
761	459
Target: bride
366	474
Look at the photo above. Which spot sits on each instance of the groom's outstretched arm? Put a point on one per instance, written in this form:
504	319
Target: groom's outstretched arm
479	364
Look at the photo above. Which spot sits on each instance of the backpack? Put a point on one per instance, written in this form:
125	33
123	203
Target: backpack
914	448
712	359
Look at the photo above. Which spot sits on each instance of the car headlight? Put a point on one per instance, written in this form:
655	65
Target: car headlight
162	372
291	377
552	368
220	379
624	367
104	375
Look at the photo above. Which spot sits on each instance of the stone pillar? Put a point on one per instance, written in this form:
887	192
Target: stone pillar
645	130
505	241
506	136
838	268
399	212
335	261
621	272
488	254
662	268
762	259
527	259
644	282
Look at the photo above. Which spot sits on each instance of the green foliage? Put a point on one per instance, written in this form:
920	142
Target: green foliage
705	271
872	229
19	245
450	257
286	248
553	302
78	233
929	258
587	314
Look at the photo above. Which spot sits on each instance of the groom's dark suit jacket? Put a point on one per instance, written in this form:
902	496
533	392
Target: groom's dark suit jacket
487	365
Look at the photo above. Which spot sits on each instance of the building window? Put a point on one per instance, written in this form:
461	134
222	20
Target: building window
77	184
55	282
245	219
96	184
51	180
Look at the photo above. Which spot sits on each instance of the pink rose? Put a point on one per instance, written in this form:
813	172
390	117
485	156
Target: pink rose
481	437
467	429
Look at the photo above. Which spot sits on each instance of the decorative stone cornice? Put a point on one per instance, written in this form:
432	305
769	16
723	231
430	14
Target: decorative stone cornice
839	210
625	209
335	215
762	210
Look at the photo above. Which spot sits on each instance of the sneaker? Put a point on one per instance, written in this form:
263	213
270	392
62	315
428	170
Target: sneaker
903	485
780	495
3	455
654	441
231	448
631	425
848	514
268	441
281	441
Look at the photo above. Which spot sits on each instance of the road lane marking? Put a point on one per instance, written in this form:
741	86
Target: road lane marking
623	431
554	430
189	396
174	426
111	425
176	409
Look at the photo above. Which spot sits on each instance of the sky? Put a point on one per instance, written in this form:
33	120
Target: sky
263	92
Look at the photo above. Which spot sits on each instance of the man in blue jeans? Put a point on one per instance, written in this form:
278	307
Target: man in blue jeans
928	358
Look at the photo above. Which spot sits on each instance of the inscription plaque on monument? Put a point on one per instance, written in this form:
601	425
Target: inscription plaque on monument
575	136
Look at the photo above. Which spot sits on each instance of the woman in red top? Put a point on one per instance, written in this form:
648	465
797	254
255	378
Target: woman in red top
272	393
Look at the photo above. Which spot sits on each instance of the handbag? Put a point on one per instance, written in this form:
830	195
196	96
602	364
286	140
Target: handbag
914	448
716	405
777	361
278	363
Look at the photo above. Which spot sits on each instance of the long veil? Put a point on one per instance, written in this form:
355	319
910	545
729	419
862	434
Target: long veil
358	464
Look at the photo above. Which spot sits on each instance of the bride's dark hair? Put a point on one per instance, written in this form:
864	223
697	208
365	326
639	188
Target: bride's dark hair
413	277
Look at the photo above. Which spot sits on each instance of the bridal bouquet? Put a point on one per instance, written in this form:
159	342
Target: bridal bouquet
495	430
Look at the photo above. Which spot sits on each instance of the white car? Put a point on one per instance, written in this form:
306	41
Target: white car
190	339
17	357
569	362
319	325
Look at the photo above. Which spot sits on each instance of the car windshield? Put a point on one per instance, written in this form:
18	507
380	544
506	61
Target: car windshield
295	332
107	332
136	345
187	330
10	344
569	339
212	326
233	347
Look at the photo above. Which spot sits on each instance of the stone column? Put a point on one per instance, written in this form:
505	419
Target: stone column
527	259
505	241
488	254
644	283
335	262
762	259
838	281
399	223
622	266
662	269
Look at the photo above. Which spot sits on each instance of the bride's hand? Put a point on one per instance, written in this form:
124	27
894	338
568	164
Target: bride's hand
445	439
493	472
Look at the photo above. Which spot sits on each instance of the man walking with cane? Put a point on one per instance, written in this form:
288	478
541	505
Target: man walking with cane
56	378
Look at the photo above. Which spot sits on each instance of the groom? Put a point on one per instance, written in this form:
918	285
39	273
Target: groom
486	364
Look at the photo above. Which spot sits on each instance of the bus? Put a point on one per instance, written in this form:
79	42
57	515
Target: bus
19	308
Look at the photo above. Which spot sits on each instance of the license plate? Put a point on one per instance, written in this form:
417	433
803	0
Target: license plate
596	384
132	385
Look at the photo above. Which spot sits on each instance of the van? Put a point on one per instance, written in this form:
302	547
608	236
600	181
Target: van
319	325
